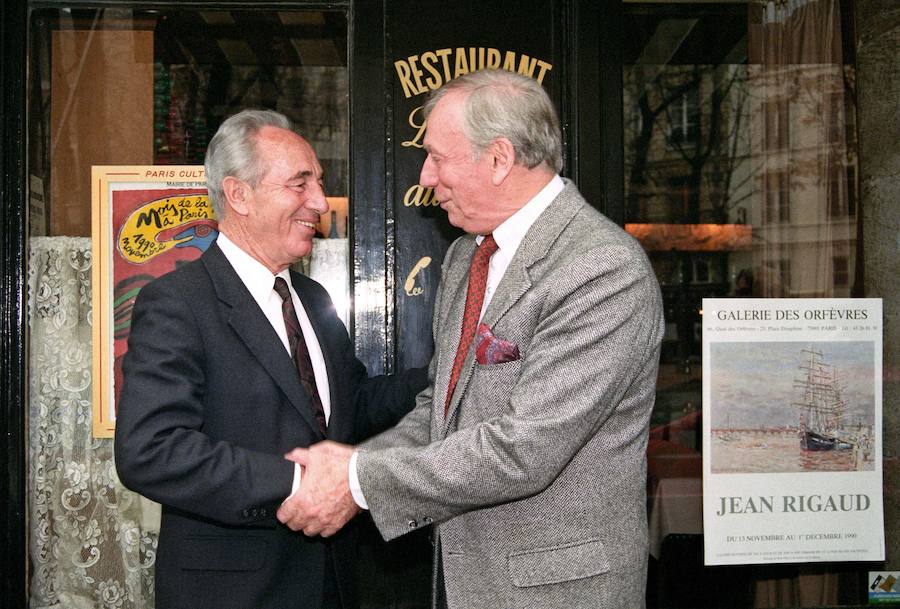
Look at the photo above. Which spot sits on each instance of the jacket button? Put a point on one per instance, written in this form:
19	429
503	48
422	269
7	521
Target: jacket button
427	520
262	512
246	513
412	524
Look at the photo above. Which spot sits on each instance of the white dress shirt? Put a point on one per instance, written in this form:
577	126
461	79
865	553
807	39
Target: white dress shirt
260	282
508	236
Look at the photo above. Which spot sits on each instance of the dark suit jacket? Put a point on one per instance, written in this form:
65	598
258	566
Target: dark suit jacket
210	403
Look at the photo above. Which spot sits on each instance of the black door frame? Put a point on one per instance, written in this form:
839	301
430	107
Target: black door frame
371	221
13	558
591	113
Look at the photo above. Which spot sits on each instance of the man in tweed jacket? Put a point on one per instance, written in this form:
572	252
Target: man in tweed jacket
532	470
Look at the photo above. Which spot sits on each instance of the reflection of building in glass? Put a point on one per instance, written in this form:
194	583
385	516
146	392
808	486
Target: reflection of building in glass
688	185
803	202
739	140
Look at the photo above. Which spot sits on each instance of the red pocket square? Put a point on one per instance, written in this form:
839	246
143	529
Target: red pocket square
491	350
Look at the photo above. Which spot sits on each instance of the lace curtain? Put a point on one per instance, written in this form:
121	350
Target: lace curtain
92	542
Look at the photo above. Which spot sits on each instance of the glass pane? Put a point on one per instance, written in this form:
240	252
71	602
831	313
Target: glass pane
148	87
126	87
740	180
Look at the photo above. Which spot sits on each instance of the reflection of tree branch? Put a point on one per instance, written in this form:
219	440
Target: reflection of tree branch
723	169
727	204
754	172
641	144
697	154
731	203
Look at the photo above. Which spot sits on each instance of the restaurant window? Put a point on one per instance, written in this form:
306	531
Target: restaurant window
778	197
684	118
784	268
776	134
842	192
841	272
852	188
763	204
835	113
147	88
636	120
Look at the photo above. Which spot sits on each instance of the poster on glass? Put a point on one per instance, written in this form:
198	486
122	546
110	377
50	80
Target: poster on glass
792	443
146	221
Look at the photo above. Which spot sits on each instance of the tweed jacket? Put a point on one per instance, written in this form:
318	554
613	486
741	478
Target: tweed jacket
535	479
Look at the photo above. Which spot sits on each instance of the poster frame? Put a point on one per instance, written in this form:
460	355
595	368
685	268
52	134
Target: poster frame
792	438
106	180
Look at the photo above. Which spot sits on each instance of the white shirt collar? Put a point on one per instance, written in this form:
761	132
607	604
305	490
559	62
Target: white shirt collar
253	273
511	232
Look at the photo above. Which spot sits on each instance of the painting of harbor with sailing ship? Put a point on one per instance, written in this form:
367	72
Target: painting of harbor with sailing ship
792	406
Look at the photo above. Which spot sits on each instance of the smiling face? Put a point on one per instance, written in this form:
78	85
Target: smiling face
278	217
461	179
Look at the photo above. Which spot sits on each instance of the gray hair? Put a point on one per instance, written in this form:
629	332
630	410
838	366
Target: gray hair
505	104
232	152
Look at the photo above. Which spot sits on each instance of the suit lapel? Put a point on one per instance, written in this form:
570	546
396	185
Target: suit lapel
516	281
453	304
534	247
254	329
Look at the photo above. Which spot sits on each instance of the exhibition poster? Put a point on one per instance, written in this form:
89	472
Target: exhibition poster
792	443
146	221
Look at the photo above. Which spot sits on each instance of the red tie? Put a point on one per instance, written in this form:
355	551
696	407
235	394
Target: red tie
474	299
300	351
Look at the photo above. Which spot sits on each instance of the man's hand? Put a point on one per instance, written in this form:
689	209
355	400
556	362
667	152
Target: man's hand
323	505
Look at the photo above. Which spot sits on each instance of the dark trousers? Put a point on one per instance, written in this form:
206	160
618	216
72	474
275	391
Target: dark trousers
331	595
440	591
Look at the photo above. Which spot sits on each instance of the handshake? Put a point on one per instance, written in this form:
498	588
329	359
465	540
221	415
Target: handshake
323	504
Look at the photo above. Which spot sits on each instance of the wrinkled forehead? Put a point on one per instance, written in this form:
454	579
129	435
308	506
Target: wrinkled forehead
286	153
446	123
450	108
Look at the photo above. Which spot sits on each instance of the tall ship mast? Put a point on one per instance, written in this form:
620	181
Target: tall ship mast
821	405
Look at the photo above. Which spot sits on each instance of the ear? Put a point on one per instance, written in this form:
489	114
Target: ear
503	159
238	195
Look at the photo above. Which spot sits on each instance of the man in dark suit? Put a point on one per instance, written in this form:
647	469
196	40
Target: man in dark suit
233	360
527	451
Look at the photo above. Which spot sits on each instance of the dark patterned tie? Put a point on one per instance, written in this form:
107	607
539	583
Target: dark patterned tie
474	299
300	350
